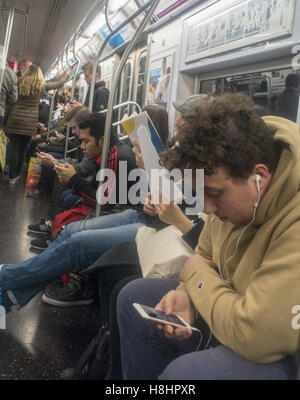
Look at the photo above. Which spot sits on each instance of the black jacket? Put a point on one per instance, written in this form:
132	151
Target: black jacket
117	152
287	104
100	99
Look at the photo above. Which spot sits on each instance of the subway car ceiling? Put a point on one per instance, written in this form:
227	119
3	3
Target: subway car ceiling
43	31
41	28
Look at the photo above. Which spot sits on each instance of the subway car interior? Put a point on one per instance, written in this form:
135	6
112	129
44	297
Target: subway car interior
114	58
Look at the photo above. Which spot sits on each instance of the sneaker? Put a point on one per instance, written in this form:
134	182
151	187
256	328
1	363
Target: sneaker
40	244
77	292
34	250
43	227
13	181
33	193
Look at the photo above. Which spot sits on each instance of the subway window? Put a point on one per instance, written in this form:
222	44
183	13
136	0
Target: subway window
141	78
263	86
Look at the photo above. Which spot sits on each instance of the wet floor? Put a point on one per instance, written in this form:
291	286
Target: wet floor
40	341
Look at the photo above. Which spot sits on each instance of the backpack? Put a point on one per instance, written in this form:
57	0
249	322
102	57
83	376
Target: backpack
94	362
66	217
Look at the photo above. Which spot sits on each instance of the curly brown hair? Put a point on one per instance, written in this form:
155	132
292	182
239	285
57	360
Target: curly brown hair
225	132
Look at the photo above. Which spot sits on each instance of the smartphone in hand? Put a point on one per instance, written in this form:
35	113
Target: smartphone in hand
160	317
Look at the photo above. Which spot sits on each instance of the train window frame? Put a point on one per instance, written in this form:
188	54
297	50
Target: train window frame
143	54
129	61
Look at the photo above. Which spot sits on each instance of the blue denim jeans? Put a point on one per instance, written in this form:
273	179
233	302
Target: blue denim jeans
147	354
78	246
68	199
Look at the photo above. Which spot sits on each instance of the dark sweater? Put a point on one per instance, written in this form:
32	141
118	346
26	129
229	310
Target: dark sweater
100	98
87	190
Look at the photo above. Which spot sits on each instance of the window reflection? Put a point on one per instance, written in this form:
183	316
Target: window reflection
263	87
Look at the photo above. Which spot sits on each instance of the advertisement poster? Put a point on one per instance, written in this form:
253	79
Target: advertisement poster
246	23
160	81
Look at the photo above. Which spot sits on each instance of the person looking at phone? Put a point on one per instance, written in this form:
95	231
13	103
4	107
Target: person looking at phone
241	285
54	150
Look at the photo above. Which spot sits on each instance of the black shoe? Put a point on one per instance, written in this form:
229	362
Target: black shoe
40	244
77	292
34	250
43	227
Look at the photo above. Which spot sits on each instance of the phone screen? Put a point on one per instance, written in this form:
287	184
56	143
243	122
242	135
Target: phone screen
162	316
57	134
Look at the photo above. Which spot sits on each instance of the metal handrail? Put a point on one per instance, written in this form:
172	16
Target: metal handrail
122	105
106	16
25	14
116	107
67	51
7	41
72	99
108	121
73	45
121	26
51	112
96	6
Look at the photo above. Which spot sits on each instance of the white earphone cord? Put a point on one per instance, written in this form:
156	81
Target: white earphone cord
257	178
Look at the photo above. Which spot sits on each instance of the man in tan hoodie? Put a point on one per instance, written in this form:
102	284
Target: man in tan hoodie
241	287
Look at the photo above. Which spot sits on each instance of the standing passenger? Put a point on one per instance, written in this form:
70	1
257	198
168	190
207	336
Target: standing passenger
24	65
9	92
287	102
23	119
101	94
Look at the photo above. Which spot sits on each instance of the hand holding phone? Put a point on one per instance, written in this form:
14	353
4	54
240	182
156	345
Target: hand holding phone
160	317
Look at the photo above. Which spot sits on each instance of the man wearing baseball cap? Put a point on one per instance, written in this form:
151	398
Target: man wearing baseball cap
187	105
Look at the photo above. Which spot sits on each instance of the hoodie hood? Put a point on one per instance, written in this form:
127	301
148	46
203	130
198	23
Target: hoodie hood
286	179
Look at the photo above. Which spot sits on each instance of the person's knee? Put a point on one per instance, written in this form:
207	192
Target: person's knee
221	363
209	364
176	370
127	294
72	228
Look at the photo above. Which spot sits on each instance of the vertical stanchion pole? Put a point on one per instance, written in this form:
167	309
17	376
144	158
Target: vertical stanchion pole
114	90
51	112
7	41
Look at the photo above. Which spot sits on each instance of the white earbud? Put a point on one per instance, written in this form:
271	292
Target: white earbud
257	179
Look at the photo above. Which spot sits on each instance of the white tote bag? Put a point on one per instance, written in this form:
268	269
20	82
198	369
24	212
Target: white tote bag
162	254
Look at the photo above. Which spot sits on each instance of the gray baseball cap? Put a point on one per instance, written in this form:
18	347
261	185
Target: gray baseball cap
189	103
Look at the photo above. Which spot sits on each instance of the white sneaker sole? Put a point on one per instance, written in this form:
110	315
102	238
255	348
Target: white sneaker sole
39	232
59	303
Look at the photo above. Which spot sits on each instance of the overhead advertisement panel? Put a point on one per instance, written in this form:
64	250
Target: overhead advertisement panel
119	38
239	24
